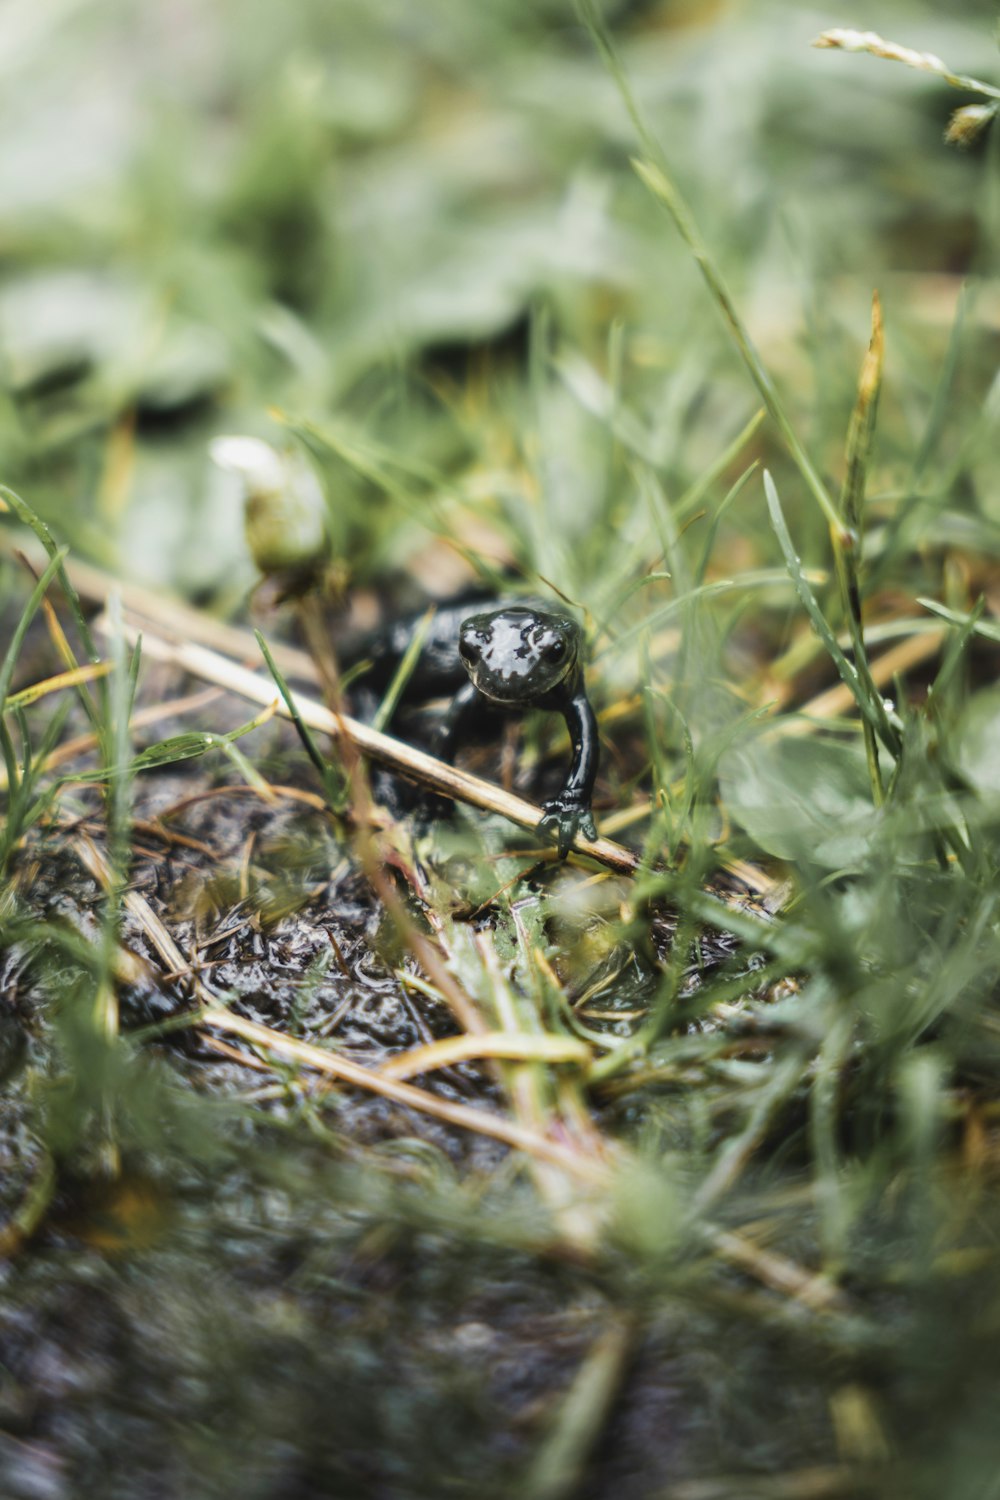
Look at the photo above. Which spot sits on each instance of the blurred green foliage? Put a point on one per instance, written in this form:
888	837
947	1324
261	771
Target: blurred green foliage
217	211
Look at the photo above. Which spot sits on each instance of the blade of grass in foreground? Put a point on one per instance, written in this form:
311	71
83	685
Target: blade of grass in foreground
55	684
849	539
985	628
181	747
22	807
334	786
867	697
27	615
28	518
403	672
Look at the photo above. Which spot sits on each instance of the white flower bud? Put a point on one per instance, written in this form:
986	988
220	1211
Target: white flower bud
284	510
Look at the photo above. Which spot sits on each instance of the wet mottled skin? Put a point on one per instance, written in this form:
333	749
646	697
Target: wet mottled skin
519	658
515	657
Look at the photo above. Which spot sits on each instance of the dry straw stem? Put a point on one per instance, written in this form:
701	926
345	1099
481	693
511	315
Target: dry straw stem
861	432
483	1122
779	1272
416	765
513	1046
847	40
143	604
56	684
836	1482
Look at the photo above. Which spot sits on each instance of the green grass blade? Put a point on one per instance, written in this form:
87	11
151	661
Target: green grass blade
27	615
869	703
652	172
693	497
955	652
333	787
848	540
28	518
985	628
667	194
403	673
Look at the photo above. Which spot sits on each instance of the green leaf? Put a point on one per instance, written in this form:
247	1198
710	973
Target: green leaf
802	798
976	737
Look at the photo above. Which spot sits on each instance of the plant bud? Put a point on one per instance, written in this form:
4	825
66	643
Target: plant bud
967	124
284	510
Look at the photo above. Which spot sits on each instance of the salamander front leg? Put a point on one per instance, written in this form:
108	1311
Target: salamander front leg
569	813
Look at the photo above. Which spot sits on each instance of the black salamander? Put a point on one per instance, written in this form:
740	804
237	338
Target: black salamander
512	658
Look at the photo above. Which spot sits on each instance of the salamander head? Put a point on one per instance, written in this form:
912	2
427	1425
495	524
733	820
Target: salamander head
515	656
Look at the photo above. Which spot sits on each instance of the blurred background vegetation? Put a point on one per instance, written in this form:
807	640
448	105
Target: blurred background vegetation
408	239
214	213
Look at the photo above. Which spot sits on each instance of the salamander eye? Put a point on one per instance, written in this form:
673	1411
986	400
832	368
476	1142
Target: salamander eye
469	649
556	650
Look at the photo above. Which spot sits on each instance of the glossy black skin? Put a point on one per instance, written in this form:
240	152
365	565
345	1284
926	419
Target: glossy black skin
520	657
438	670
513	657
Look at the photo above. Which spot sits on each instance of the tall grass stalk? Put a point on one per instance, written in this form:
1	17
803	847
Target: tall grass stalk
865	693
845	520
23	806
652	171
848	539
